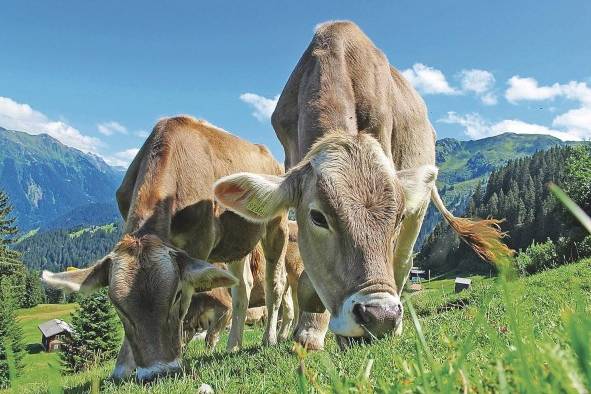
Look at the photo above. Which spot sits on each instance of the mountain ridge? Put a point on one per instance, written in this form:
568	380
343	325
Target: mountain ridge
46	179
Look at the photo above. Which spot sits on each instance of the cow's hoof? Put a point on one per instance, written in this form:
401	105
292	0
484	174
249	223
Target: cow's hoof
309	339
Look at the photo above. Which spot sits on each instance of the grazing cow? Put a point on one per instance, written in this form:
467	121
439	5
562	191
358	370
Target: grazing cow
166	199
210	311
360	151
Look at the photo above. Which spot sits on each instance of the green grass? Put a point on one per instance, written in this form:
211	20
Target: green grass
27	235
41	368
107	228
526	335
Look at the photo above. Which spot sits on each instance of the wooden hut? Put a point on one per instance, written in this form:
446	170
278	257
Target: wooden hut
462	284
52	334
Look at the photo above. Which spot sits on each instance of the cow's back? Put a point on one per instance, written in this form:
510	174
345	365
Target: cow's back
343	82
169	186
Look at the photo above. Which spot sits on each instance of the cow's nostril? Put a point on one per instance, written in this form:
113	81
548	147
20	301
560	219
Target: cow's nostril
360	313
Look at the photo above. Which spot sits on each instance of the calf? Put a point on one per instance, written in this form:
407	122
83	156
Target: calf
210	311
172	226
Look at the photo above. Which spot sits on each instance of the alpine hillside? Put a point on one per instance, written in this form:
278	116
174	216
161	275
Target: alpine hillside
54	186
463	164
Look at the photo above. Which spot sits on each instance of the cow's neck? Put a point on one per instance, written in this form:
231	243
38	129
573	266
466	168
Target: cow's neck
153	220
383	137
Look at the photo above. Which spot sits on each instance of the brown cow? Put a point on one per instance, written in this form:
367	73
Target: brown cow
361	157
166	199
210	311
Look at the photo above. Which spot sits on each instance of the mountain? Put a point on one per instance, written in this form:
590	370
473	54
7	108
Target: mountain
518	192
57	249
52	185
462	164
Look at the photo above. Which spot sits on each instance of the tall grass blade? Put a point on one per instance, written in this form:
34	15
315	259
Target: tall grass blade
571	206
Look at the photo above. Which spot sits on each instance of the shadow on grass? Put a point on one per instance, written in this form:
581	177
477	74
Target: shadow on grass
452	305
208	358
82	388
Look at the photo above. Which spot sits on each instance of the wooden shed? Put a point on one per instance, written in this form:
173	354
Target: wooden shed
462	284
52	334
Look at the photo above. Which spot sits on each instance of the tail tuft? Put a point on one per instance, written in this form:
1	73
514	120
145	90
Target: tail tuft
483	235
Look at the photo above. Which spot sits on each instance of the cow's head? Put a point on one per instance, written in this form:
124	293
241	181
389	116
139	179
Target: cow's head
349	202
151	285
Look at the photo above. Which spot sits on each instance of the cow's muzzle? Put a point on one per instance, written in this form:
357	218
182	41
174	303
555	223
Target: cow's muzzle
369	316
158	370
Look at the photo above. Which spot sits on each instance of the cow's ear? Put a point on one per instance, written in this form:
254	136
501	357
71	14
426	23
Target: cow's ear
258	198
417	184
203	276
84	280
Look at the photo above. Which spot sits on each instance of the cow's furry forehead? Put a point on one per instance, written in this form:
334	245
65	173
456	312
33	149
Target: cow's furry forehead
147	256
357	179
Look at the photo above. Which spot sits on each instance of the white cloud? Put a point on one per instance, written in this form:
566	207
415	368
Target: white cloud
575	122
578	91
489	98
578	121
263	106
521	89
110	128
477	127
521	127
479	82
123	158
22	117
528	89
428	80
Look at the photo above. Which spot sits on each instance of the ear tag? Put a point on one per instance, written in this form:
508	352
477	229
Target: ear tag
256	206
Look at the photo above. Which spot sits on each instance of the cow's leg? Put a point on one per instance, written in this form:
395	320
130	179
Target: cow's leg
125	364
221	320
240	299
288	315
296	305
311	329
404	249
274	246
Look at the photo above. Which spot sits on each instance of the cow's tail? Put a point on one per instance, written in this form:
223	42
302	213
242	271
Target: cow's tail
483	235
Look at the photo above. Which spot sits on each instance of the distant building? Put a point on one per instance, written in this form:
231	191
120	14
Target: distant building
417	275
462	284
52	334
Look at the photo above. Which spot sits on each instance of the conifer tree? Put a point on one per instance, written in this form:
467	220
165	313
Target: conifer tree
96	334
10	264
33	293
11	335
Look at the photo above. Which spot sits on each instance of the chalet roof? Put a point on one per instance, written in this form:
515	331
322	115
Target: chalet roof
464	281
54	327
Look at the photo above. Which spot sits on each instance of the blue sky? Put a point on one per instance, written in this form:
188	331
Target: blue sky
97	75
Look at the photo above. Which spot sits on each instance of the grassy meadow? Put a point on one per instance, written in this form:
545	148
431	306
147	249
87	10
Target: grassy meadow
41	368
525	335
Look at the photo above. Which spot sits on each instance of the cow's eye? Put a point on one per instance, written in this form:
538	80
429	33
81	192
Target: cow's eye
318	218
